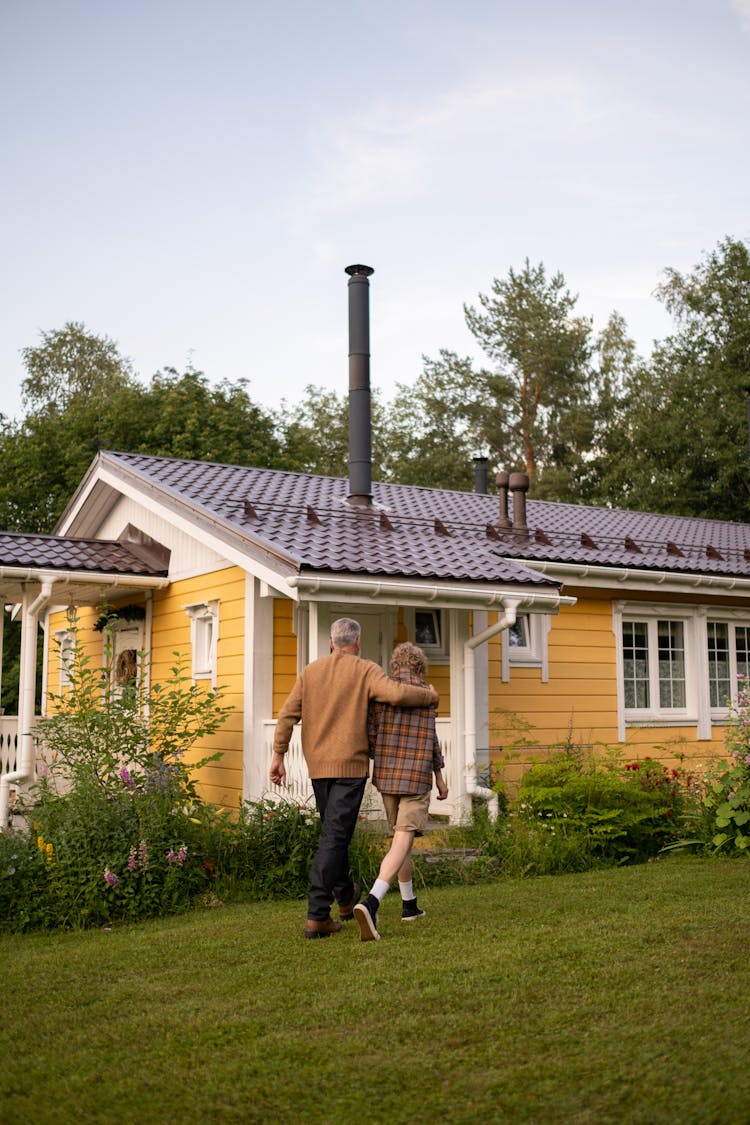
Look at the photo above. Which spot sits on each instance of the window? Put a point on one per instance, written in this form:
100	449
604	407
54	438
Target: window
653	666
680	664
204	630
429	629
728	659
525	644
66	647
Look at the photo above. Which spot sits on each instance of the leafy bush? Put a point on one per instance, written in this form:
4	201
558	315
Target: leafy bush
265	852
727	796
111	827
620	814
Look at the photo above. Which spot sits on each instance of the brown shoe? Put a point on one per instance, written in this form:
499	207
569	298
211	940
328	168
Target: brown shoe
318	929
346	910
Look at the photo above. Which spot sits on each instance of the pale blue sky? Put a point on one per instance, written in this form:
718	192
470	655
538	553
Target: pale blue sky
191	179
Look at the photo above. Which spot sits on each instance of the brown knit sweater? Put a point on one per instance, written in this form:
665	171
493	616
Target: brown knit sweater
331	697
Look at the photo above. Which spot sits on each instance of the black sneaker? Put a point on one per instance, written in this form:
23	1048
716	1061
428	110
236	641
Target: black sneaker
366	914
410	910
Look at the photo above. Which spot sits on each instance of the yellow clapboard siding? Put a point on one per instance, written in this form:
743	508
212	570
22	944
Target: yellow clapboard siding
286	646
284	652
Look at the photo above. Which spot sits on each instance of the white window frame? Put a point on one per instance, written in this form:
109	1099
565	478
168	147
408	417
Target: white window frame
695	618
436	653
204	637
732	621
534	653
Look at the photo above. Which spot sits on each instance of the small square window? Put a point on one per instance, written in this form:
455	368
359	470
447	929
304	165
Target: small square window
204	630
66	647
428	628
525	644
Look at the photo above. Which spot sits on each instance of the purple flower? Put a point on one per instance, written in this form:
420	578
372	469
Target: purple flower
132	860
126	778
178	856
110	877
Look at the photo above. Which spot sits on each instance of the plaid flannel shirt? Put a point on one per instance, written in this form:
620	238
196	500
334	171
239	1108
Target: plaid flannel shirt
403	744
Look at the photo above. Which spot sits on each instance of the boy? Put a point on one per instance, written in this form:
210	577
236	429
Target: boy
406	753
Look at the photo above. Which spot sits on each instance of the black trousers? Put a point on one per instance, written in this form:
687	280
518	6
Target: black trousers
338	800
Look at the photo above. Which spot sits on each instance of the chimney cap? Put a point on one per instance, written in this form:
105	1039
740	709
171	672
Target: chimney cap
364	271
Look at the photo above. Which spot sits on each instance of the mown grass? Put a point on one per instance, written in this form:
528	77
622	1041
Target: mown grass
616	996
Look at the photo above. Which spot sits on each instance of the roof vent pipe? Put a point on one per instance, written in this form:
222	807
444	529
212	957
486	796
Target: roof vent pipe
480	474
360	435
519	486
501	480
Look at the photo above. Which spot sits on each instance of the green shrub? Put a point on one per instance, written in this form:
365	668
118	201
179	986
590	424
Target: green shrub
727	795
622	814
112	832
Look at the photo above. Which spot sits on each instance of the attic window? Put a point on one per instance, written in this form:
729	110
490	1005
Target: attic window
204	635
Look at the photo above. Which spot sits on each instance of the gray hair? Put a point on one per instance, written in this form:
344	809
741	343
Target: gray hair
345	632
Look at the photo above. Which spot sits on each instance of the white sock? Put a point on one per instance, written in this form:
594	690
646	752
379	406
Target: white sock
379	889
407	890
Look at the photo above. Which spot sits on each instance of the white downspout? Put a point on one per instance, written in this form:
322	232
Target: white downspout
27	683
473	789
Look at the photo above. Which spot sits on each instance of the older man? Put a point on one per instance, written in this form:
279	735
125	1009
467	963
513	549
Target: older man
332	698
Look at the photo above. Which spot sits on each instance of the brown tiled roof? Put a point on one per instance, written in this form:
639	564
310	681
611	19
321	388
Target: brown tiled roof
434	533
51	552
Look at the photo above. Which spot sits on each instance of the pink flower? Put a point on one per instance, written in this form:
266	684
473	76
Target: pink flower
110	877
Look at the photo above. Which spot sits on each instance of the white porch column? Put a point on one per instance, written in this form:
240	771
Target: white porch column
31	608
258	694
458	634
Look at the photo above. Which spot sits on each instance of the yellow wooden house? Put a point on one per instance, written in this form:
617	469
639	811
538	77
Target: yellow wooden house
544	623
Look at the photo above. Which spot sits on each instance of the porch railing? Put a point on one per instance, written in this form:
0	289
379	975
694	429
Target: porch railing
299	789
8	743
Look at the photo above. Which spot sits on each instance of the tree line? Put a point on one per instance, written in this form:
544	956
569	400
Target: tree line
589	419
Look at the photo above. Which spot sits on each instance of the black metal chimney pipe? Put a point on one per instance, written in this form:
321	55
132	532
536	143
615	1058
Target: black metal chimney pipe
360	435
480	474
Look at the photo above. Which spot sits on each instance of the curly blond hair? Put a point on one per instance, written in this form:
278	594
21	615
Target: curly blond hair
409	656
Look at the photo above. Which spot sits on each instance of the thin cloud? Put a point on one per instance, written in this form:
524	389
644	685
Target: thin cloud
386	154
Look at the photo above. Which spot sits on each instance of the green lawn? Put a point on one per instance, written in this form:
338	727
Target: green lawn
614	996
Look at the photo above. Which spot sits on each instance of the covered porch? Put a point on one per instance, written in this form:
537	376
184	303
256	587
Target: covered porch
469	616
31	593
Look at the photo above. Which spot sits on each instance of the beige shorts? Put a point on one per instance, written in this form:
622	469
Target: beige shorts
406	813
